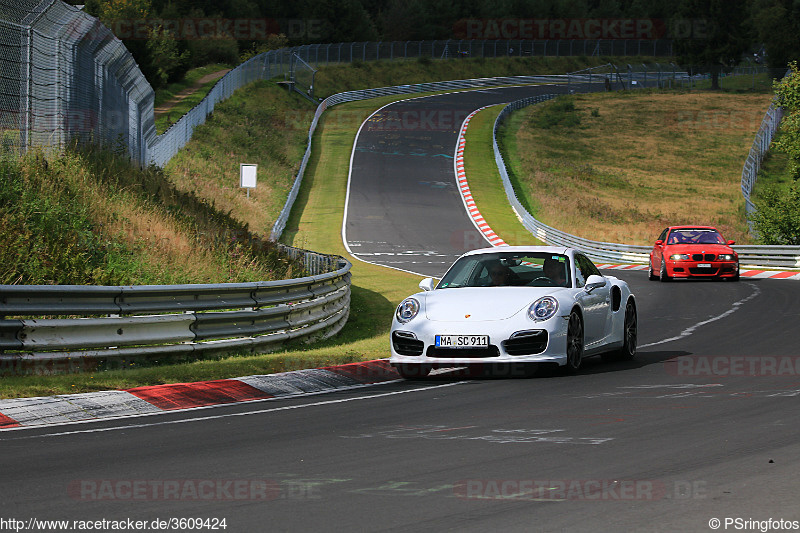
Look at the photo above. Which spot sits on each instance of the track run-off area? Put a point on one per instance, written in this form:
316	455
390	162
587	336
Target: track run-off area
700	426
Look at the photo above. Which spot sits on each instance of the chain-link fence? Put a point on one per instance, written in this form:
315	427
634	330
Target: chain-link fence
66	78
769	126
302	75
325	54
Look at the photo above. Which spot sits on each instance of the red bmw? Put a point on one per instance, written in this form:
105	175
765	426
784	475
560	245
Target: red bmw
693	252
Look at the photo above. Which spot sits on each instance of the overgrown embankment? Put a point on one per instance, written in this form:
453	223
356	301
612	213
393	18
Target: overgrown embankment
90	217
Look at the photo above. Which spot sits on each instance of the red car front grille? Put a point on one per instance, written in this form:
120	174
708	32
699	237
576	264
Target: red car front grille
704	271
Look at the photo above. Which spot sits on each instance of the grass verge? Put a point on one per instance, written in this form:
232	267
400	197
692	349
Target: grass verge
485	182
758	83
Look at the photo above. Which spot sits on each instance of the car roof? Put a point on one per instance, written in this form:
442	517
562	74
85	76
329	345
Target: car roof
539	249
693	227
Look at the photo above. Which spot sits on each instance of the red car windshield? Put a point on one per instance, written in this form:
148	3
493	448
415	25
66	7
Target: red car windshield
695	236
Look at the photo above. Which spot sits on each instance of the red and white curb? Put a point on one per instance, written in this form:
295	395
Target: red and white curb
71	408
495	240
463	186
744	272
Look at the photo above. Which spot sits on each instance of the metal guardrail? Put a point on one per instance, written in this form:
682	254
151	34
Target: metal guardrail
118	324
764	256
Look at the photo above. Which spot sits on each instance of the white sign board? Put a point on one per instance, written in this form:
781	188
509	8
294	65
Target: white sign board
247	176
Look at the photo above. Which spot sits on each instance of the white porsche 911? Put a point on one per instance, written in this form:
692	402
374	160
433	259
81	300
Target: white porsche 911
514	304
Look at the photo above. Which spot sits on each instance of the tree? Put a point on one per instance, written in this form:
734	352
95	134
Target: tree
155	50
777	219
776	24
165	57
711	34
787	93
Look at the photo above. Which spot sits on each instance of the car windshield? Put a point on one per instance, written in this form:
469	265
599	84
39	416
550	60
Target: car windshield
503	269
695	236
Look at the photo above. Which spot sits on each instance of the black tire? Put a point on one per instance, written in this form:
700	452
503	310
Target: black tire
630	333
413	372
650	274
662	273
574	343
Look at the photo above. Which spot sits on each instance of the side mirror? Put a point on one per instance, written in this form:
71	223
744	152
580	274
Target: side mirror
731	243
594	282
659	242
426	284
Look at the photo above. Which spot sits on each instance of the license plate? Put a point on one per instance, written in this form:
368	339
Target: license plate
703	265
462	341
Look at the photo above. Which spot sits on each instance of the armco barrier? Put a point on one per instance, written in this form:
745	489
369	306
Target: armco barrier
119	324
765	256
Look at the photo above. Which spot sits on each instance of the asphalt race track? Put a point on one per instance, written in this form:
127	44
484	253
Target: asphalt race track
701	425
404	209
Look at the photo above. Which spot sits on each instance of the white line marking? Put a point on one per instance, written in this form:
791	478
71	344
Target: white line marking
688	331
229	415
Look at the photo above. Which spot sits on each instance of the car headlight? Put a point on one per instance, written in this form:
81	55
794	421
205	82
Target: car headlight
407	310
543	308
680	257
726	257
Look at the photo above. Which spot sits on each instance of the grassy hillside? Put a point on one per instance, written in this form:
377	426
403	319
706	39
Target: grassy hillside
89	217
621	166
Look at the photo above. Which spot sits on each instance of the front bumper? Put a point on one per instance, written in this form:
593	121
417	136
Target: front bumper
691	269
543	342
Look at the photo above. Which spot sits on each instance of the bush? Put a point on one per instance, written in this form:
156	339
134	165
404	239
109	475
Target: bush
208	50
787	92
777	219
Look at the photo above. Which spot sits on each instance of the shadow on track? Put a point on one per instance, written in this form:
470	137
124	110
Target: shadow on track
590	366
